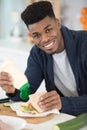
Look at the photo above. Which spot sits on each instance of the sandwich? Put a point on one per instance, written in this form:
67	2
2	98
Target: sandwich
28	108
32	106
19	79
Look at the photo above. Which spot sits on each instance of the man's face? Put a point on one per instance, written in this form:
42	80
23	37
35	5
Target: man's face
47	35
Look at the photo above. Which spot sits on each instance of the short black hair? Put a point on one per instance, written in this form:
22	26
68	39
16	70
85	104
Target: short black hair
37	11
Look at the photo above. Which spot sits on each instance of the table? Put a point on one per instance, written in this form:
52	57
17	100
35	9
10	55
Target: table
40	123
9	112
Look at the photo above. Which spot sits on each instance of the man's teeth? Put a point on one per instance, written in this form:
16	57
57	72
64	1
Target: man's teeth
49	45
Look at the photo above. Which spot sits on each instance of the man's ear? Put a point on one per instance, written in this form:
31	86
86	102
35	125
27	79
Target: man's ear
58	23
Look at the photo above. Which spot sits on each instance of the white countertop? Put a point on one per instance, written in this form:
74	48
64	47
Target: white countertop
48	125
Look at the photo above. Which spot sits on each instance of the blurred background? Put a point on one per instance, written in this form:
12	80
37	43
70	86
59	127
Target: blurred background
11	24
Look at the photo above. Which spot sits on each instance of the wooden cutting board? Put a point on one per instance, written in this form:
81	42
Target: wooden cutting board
7	111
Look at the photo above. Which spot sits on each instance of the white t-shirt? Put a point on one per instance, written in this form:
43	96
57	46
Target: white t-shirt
63	75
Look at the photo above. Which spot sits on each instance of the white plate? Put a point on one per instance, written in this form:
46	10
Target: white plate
16	123
16	107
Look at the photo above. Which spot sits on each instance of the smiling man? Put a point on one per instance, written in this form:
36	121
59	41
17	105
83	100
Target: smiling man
46	37
59	56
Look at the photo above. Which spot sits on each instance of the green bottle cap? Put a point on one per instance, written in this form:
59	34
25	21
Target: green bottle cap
25	91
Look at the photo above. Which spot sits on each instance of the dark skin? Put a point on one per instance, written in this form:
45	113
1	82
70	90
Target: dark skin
6	82
47	36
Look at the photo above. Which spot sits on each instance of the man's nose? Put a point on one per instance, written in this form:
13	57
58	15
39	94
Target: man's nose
44	38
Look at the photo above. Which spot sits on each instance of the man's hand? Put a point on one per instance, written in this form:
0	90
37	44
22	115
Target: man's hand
6	82
50	100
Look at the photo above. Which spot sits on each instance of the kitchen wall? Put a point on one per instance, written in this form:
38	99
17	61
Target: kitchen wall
70	10
7	10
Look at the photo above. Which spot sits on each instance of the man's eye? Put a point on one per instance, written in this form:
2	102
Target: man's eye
48	30
36	36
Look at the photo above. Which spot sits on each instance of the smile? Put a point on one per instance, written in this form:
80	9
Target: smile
49	45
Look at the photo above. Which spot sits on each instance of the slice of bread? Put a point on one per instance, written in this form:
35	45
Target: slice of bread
18	76
34	98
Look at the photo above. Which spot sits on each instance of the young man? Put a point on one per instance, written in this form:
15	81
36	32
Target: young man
59	56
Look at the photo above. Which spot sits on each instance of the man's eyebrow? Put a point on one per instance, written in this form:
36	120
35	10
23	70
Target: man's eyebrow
34	33
47	26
